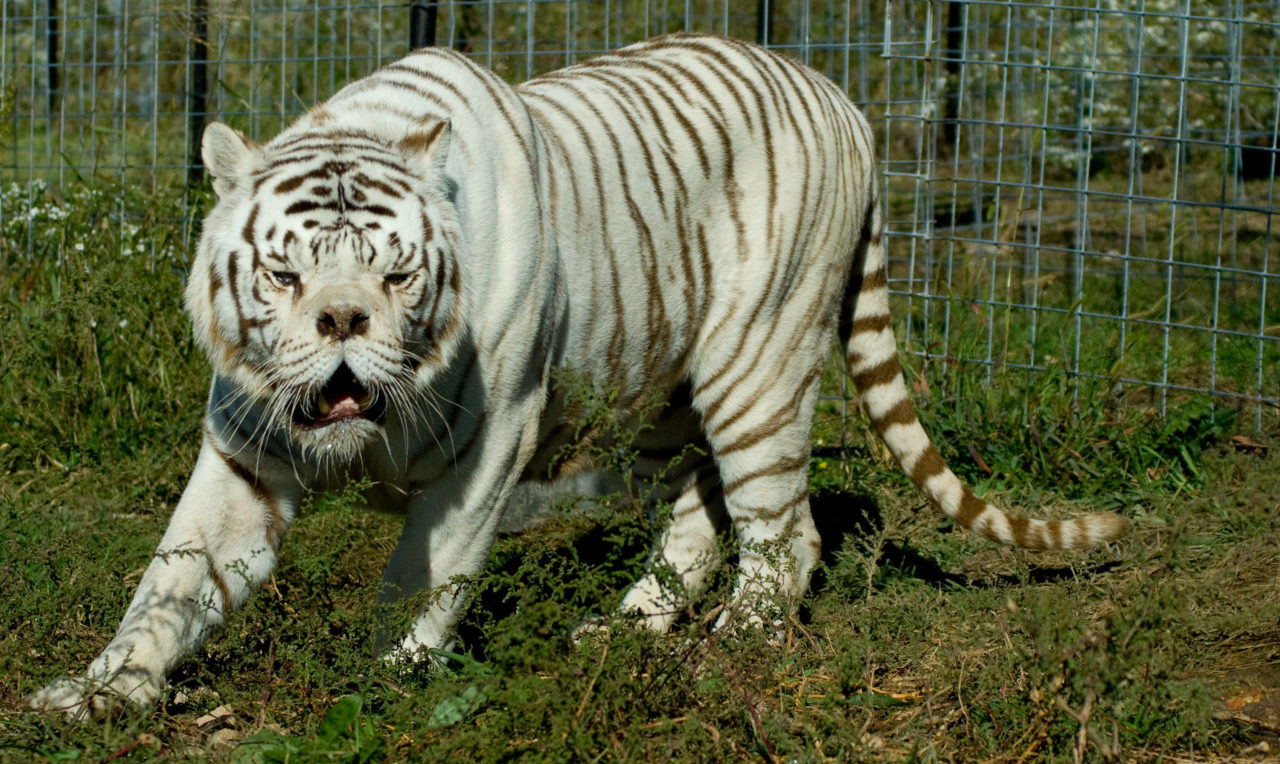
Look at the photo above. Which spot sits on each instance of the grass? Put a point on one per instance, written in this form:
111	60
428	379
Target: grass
918	642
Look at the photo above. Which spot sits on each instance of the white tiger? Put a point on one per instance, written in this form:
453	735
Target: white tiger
392	286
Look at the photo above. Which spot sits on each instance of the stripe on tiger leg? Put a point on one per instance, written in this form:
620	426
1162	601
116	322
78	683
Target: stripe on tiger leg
763	459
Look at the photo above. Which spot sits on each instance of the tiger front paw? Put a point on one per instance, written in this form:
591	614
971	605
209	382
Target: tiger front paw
83	698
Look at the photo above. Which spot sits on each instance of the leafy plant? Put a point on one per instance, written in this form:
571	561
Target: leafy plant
344	736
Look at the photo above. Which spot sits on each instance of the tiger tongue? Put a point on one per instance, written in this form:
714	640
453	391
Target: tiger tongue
344	406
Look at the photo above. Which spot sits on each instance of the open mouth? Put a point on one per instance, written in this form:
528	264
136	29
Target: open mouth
342	398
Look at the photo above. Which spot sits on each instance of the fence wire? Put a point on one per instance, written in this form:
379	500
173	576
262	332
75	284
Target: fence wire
1084	188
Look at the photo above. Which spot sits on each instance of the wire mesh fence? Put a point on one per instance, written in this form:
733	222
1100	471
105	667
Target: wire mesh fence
1084	187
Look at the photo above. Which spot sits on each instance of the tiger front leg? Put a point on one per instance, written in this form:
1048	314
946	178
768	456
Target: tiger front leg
450	526
220	545
687	548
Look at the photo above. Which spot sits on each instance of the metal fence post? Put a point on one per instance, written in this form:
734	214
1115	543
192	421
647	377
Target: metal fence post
764	22
52	38
952	64
197	88
422	24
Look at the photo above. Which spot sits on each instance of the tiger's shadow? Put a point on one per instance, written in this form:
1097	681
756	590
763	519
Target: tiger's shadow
841	516
846	521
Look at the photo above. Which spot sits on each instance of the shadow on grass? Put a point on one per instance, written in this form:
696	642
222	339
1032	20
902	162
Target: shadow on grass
840	515
582	565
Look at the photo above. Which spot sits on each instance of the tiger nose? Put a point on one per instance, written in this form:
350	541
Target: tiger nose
341	321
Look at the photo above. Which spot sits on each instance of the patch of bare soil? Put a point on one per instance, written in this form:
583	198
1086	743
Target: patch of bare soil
1245	677
1249	684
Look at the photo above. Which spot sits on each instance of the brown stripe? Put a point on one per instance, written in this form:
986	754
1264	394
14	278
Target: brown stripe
875	324
234	289
704	263
882	373
220	582
624	88
497	88
663	137
902	412
767	513
929	464
780	467
290	184
676	107
259	490
1054	531
970	507
374	209
689	287
874	280
721	75
386	164
706	497
307	205
656	320
215	286
771	427
276	527
725	423
771	287
800	136
1022	535
414	88
260	177
247	232
860	282
419	142
616	351
297	142
710	409
374	183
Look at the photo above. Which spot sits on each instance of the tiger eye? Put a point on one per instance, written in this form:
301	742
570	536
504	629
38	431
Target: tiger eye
284	279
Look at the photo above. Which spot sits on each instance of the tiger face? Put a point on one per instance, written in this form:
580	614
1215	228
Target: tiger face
324	290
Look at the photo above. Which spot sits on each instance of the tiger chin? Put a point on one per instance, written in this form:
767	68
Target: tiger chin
391	288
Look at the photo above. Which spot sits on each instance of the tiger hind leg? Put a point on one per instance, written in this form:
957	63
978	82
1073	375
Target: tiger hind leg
760	439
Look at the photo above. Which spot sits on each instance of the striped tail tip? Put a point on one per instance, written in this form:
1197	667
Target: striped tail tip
1081	532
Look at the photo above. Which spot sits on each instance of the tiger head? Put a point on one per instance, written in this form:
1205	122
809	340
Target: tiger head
325	289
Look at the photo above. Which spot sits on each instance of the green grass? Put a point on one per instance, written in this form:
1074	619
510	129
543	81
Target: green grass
919	642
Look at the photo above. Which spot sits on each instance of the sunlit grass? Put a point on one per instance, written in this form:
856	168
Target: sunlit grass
918	641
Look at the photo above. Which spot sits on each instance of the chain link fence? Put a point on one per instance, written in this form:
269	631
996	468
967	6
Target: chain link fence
1078	189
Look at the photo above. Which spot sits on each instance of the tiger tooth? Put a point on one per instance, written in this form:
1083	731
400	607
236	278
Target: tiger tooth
364	401
325	406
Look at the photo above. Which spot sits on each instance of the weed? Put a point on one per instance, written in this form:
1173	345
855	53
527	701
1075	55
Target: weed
344	736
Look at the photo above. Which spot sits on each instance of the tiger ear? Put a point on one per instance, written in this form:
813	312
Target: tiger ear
428	149
225	151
